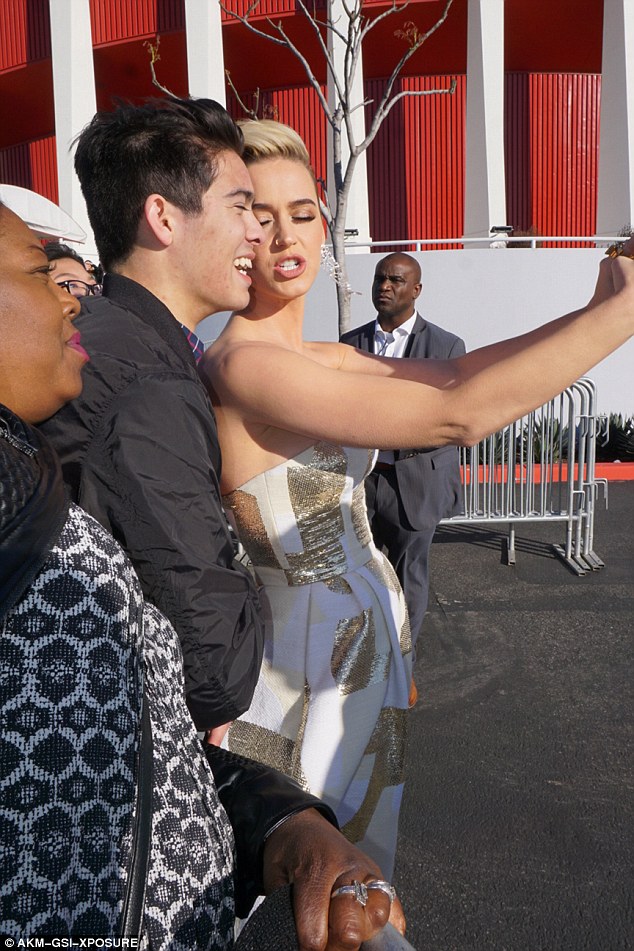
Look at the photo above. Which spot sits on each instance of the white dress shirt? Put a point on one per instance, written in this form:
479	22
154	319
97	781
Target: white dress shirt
392	345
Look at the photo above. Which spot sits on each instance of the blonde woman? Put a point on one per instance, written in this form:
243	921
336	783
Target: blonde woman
295	421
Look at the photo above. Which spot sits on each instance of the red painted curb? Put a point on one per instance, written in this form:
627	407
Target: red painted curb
612	471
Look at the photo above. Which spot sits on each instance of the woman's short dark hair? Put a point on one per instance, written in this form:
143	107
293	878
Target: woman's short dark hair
166	146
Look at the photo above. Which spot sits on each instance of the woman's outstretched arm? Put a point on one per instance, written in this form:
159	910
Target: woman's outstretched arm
414	403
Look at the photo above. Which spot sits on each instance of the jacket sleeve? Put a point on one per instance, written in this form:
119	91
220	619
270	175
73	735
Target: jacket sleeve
149	478
457	348
257	800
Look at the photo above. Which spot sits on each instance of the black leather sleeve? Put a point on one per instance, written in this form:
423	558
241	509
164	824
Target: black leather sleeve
257	800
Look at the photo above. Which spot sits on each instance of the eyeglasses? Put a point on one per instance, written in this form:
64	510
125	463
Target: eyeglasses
81	288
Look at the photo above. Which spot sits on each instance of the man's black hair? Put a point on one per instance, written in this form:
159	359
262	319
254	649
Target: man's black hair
166	146
55	250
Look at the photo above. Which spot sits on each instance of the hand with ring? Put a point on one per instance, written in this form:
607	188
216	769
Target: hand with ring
339	896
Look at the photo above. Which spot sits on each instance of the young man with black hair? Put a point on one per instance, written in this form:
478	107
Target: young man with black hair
169	201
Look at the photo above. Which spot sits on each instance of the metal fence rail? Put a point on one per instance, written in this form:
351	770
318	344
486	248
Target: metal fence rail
541	468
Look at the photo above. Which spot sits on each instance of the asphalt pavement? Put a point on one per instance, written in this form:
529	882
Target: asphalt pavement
517	828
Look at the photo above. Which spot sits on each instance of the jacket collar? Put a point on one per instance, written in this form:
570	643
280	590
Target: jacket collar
148	308
33	505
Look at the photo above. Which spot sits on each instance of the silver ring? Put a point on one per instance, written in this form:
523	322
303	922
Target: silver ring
357	889
382	886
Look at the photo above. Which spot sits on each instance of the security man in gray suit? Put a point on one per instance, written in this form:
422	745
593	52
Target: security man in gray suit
409	491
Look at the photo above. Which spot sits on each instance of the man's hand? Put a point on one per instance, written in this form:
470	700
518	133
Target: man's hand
310	853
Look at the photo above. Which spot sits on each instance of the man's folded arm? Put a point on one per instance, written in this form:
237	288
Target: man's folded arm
149	477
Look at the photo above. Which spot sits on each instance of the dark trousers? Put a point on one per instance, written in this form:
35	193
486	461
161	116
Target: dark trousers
406	548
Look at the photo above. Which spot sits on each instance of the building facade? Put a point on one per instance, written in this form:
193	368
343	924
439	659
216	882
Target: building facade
523	141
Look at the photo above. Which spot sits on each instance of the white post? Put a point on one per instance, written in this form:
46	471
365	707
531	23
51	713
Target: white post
205	54
74	99
485	188
358	215
615	206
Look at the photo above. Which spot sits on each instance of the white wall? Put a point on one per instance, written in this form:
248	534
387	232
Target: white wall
483	295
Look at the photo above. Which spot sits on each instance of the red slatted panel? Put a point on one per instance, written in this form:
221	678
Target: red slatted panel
114	20
416	163
552	146
387	190
267	8
517	132
297	106
25	33
31	165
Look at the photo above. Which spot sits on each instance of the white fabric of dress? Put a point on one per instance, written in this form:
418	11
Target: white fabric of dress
330	707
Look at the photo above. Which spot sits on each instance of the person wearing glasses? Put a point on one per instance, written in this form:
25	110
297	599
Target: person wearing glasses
70	271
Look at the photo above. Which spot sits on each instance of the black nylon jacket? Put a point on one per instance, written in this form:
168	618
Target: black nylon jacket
139	451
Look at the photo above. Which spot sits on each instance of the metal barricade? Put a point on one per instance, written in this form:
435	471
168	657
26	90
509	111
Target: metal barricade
541	468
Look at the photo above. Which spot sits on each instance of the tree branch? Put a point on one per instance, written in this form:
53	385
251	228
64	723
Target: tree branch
252	113
154	57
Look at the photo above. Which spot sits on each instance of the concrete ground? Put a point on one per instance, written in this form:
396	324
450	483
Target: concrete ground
517	829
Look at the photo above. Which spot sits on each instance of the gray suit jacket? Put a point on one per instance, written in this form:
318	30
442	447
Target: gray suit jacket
428	480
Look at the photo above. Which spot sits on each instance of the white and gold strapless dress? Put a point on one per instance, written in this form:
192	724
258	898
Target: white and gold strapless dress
330	707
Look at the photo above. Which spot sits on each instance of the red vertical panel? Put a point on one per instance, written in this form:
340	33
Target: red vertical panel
114	20
15	166
517	152
31	165
265	8
416	164
44	167
25	34
386	169
552	143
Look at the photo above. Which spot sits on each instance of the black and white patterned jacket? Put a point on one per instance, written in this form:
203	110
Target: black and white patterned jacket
77	640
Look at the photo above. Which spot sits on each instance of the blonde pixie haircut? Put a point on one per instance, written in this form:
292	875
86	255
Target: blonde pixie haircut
268	139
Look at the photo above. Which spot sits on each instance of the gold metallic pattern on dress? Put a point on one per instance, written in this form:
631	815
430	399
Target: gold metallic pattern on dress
382	569
387	745
359	515
338	585
265	746
250	526
405	635
328	458
355	663
315	492
296	764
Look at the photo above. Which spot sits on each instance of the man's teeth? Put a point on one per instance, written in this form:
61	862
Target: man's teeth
243	264
289	265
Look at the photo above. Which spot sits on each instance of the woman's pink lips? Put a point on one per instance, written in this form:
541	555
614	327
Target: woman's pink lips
294	272
75	345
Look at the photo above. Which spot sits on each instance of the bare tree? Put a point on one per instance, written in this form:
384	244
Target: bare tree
350	27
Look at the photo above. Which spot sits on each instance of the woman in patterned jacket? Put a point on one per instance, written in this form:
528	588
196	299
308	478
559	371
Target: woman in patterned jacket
85	662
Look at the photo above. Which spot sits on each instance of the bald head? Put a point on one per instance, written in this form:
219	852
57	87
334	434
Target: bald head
396	285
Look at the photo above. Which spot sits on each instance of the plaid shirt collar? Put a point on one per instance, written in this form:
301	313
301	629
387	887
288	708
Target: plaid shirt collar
194	341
